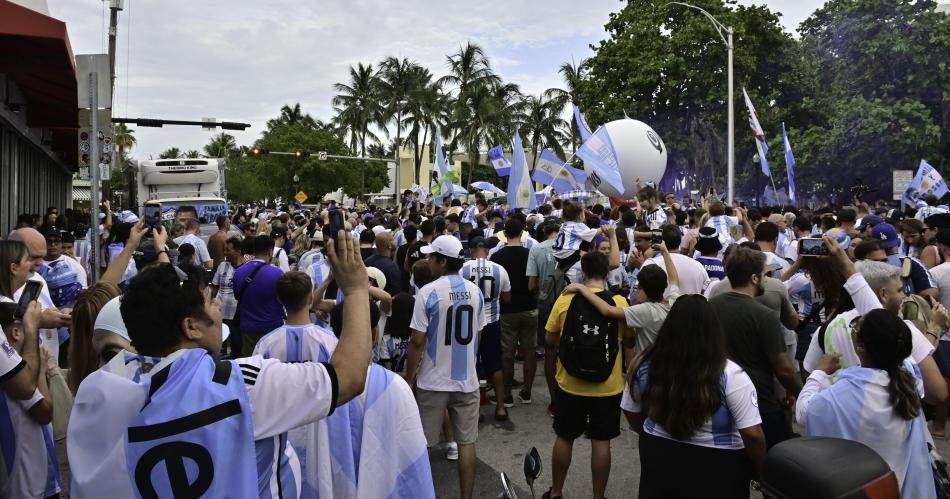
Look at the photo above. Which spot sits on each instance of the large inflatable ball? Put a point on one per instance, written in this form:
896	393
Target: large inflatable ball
637	152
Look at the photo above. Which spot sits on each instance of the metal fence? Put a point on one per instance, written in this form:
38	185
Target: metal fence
30	179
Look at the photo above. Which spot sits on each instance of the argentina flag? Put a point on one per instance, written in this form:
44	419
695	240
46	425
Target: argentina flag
761	146
790	164
582	126
520	187
599	155
498	160
551	170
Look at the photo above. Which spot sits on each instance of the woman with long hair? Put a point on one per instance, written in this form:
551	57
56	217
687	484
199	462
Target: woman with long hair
15	268
83	359
694	410
876	403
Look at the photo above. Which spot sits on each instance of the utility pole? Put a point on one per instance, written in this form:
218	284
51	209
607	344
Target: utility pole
114	7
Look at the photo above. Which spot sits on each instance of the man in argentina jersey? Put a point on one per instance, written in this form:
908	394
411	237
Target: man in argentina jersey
129	431
653	214
447	319
493	280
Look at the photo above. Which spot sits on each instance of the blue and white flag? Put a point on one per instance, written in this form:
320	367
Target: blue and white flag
581	124
551	170
578	194
458	190
761	146
488	186
789	164
520	187
497	157
600	157
927	181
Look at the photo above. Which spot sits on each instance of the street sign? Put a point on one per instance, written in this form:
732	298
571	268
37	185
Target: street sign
322	156
301	197
208	120
900	180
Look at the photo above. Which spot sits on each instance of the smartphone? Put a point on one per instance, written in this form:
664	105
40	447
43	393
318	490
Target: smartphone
812	246
333	227
657	236
152	216
30	293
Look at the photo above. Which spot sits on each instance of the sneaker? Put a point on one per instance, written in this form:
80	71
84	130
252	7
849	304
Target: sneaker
452	451
524	397
509	400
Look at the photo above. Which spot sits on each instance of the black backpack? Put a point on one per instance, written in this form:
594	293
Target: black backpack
589	343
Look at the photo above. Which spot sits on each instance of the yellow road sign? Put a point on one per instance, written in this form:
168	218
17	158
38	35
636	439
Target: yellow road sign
301	197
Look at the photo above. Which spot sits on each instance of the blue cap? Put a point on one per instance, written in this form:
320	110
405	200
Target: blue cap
887	234
869	221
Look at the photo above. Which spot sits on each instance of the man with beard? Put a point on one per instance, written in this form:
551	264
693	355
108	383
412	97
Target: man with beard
754	339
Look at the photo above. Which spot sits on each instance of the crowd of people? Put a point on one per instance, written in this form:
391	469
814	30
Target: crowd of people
331	352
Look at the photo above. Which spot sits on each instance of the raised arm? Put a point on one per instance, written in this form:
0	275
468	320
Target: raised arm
613	258
602	307
671	275
117	267
352	355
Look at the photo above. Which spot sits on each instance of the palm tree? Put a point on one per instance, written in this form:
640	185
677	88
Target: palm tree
469	67
358	106
292	116
395	84
484	114
426	107
194	153
124	139
222	145
573	74
542	124
170	153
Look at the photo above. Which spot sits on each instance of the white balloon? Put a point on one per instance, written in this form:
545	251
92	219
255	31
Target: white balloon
640	153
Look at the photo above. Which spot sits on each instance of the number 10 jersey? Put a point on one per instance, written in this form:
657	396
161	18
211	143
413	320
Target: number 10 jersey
451	313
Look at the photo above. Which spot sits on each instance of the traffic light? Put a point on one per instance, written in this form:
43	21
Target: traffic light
257	151
301	154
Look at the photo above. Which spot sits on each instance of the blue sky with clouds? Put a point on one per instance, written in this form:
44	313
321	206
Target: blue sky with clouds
238	60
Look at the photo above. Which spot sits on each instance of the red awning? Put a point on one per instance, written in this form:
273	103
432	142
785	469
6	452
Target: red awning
35	53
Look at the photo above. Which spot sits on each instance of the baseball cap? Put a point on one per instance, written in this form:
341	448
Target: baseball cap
110	319
869	221
376	275
708	241
447	246
887	234
840	236
477	242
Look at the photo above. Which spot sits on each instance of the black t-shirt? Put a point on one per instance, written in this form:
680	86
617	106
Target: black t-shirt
389	269
753	334
401	253
514	259
413	254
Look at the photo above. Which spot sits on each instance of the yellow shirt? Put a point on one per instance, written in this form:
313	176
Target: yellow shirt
614	384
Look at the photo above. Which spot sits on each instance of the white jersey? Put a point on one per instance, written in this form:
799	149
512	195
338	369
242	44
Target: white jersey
297	344
451	313
282	397
279	259
656	219
27	445
201	249
493	280
570	236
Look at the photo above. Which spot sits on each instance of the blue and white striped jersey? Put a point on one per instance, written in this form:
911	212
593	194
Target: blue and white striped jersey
570	236
451	313
493	280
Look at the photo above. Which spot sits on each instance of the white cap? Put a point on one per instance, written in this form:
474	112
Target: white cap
378	229
447	246
110	319
377	275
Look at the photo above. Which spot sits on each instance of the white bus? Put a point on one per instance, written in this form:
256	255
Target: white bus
197	182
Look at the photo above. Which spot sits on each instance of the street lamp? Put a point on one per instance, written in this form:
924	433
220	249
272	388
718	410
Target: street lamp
727	39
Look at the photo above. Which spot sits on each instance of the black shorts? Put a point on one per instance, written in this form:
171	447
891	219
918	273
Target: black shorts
489	350
575	414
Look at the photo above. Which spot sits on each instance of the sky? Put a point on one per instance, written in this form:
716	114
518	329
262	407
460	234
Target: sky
237	60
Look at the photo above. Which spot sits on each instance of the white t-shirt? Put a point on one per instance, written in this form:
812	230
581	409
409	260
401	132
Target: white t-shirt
201	249
282	396
10	361
692	275
451	313
493	280
740	407
281	257
941	274
773	259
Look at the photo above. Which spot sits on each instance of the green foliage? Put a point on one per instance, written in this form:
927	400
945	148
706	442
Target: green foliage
271	176
170	153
